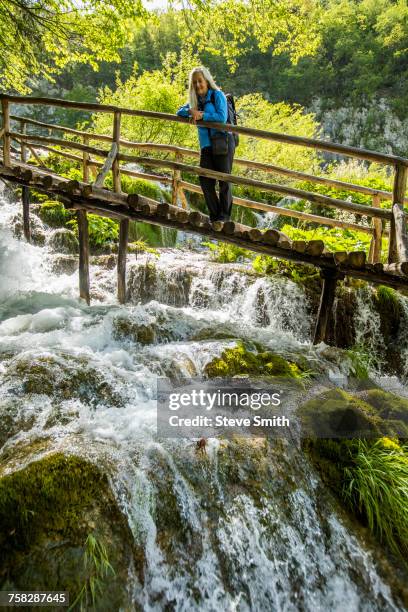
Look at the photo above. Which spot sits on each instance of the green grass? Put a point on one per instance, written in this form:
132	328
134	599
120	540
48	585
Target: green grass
97	568
377	485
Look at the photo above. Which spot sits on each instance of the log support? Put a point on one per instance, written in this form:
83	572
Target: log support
398	195
123	242
325	313
374	255
83	236
25	192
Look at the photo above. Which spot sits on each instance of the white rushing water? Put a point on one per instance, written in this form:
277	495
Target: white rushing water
274	547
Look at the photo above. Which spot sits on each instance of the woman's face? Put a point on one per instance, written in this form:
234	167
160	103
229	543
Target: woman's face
200	84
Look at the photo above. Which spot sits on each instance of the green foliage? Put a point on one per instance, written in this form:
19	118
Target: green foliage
223	252
281	28
360	361
97	569
54	214
102	230
301	274
377	485
257	112
335	239
141	246
43	37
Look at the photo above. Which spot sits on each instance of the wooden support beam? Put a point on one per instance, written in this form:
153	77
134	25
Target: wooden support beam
116	140
25	194
107	166
123	243
376	240
398	194
401	236
83	236
175	182
85	161
6	135
325	312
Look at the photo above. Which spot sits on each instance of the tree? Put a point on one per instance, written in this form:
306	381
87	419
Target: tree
40	37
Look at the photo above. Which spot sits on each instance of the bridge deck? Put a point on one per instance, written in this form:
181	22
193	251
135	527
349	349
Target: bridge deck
83	196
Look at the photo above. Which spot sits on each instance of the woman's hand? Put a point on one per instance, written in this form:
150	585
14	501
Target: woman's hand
196	115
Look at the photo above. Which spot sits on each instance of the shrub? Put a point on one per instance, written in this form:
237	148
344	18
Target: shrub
377	483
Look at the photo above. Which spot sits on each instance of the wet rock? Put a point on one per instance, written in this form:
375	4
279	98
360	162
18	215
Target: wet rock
37	230
63	241
61	529
105	261
60	377
64	264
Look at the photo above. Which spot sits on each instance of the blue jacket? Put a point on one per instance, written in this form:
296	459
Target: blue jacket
212	112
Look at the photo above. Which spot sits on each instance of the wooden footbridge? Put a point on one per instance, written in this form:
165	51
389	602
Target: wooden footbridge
90	196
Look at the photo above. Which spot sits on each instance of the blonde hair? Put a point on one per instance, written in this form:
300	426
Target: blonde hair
192	96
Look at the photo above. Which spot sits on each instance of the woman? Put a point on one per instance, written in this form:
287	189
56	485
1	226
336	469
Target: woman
208	103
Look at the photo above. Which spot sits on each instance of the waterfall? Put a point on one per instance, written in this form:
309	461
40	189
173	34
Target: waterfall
248	526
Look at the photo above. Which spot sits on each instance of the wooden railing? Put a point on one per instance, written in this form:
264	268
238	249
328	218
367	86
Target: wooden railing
398	245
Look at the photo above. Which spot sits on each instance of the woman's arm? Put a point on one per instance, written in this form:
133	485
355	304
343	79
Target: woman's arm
184	111
221	111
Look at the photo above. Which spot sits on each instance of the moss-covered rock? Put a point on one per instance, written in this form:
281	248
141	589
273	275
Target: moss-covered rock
241	360
37	230
49	512
64	377
126	328
65	264
63	241
54	214
336	413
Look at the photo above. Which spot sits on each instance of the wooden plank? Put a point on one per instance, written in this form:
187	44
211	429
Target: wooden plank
107	166
264	134
400	268
325	312
400	185
83	236
123	243
6	134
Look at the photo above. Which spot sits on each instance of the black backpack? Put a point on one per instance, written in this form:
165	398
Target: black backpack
232	113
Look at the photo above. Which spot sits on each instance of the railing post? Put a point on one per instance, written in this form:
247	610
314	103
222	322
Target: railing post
83	236
6	137
85	160
376	240
124	223
115	165
25	191
398	194
175	189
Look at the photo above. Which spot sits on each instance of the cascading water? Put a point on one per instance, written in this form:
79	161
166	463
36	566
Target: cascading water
248	526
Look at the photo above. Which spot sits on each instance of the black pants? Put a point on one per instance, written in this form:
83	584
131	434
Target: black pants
220	207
